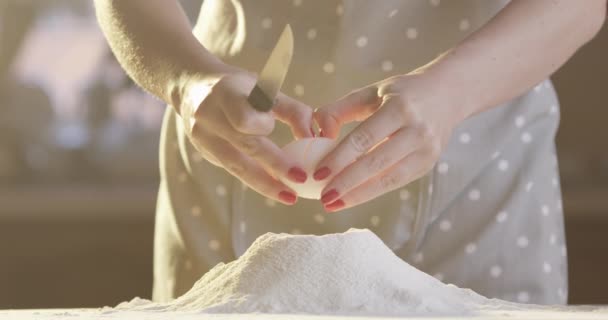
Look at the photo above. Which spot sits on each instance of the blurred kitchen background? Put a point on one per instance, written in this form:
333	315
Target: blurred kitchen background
79	163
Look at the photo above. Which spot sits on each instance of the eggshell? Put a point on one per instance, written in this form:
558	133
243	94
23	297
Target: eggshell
308	152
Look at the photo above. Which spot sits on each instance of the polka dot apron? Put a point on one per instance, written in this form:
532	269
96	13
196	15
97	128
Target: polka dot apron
487	217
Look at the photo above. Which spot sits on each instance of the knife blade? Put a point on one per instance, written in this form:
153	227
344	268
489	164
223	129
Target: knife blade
270	80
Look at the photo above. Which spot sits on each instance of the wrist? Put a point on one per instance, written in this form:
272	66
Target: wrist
180	86
436	92
453	85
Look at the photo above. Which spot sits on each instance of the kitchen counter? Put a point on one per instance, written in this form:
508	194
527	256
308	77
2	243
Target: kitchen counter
578	312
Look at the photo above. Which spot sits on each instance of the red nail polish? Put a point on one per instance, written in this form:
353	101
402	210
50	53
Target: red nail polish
287	197
322	173
321	134
329	196
297	175
334	206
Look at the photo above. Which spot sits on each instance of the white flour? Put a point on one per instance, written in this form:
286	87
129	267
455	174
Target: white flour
352	273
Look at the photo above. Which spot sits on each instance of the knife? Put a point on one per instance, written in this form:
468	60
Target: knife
264	94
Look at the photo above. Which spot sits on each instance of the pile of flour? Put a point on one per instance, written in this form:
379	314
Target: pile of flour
351	273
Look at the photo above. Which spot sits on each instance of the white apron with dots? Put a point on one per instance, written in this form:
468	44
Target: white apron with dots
487	217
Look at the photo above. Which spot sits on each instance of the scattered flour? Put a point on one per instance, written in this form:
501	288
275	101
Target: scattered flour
352	273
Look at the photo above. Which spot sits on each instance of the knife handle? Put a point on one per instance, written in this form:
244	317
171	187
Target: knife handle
259	100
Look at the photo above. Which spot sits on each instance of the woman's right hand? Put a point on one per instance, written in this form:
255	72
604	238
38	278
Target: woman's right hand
230	133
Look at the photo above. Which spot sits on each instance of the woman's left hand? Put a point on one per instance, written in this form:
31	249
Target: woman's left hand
407	121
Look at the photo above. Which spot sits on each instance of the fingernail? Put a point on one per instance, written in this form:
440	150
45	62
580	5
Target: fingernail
312	132
329	196
334	206
297	175
322	173
287	197
321	134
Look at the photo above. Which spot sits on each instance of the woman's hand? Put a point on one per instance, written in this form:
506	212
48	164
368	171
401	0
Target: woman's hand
406	124
417	112
231	134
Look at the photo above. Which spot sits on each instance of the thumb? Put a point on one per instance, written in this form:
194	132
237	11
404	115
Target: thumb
297	115
355	106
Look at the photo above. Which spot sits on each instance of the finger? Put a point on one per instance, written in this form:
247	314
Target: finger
245	119
208	156
257	147
385	155
297	115
249	171
355	106
268	155
359	141
402	173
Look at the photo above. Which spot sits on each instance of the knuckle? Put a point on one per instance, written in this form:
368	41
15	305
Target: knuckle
242	122
250	145
377	162
370	95
389	181
339	184
425	131
236	168
325	115
274	165
361	140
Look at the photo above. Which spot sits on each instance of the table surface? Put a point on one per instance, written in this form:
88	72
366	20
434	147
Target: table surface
571	312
